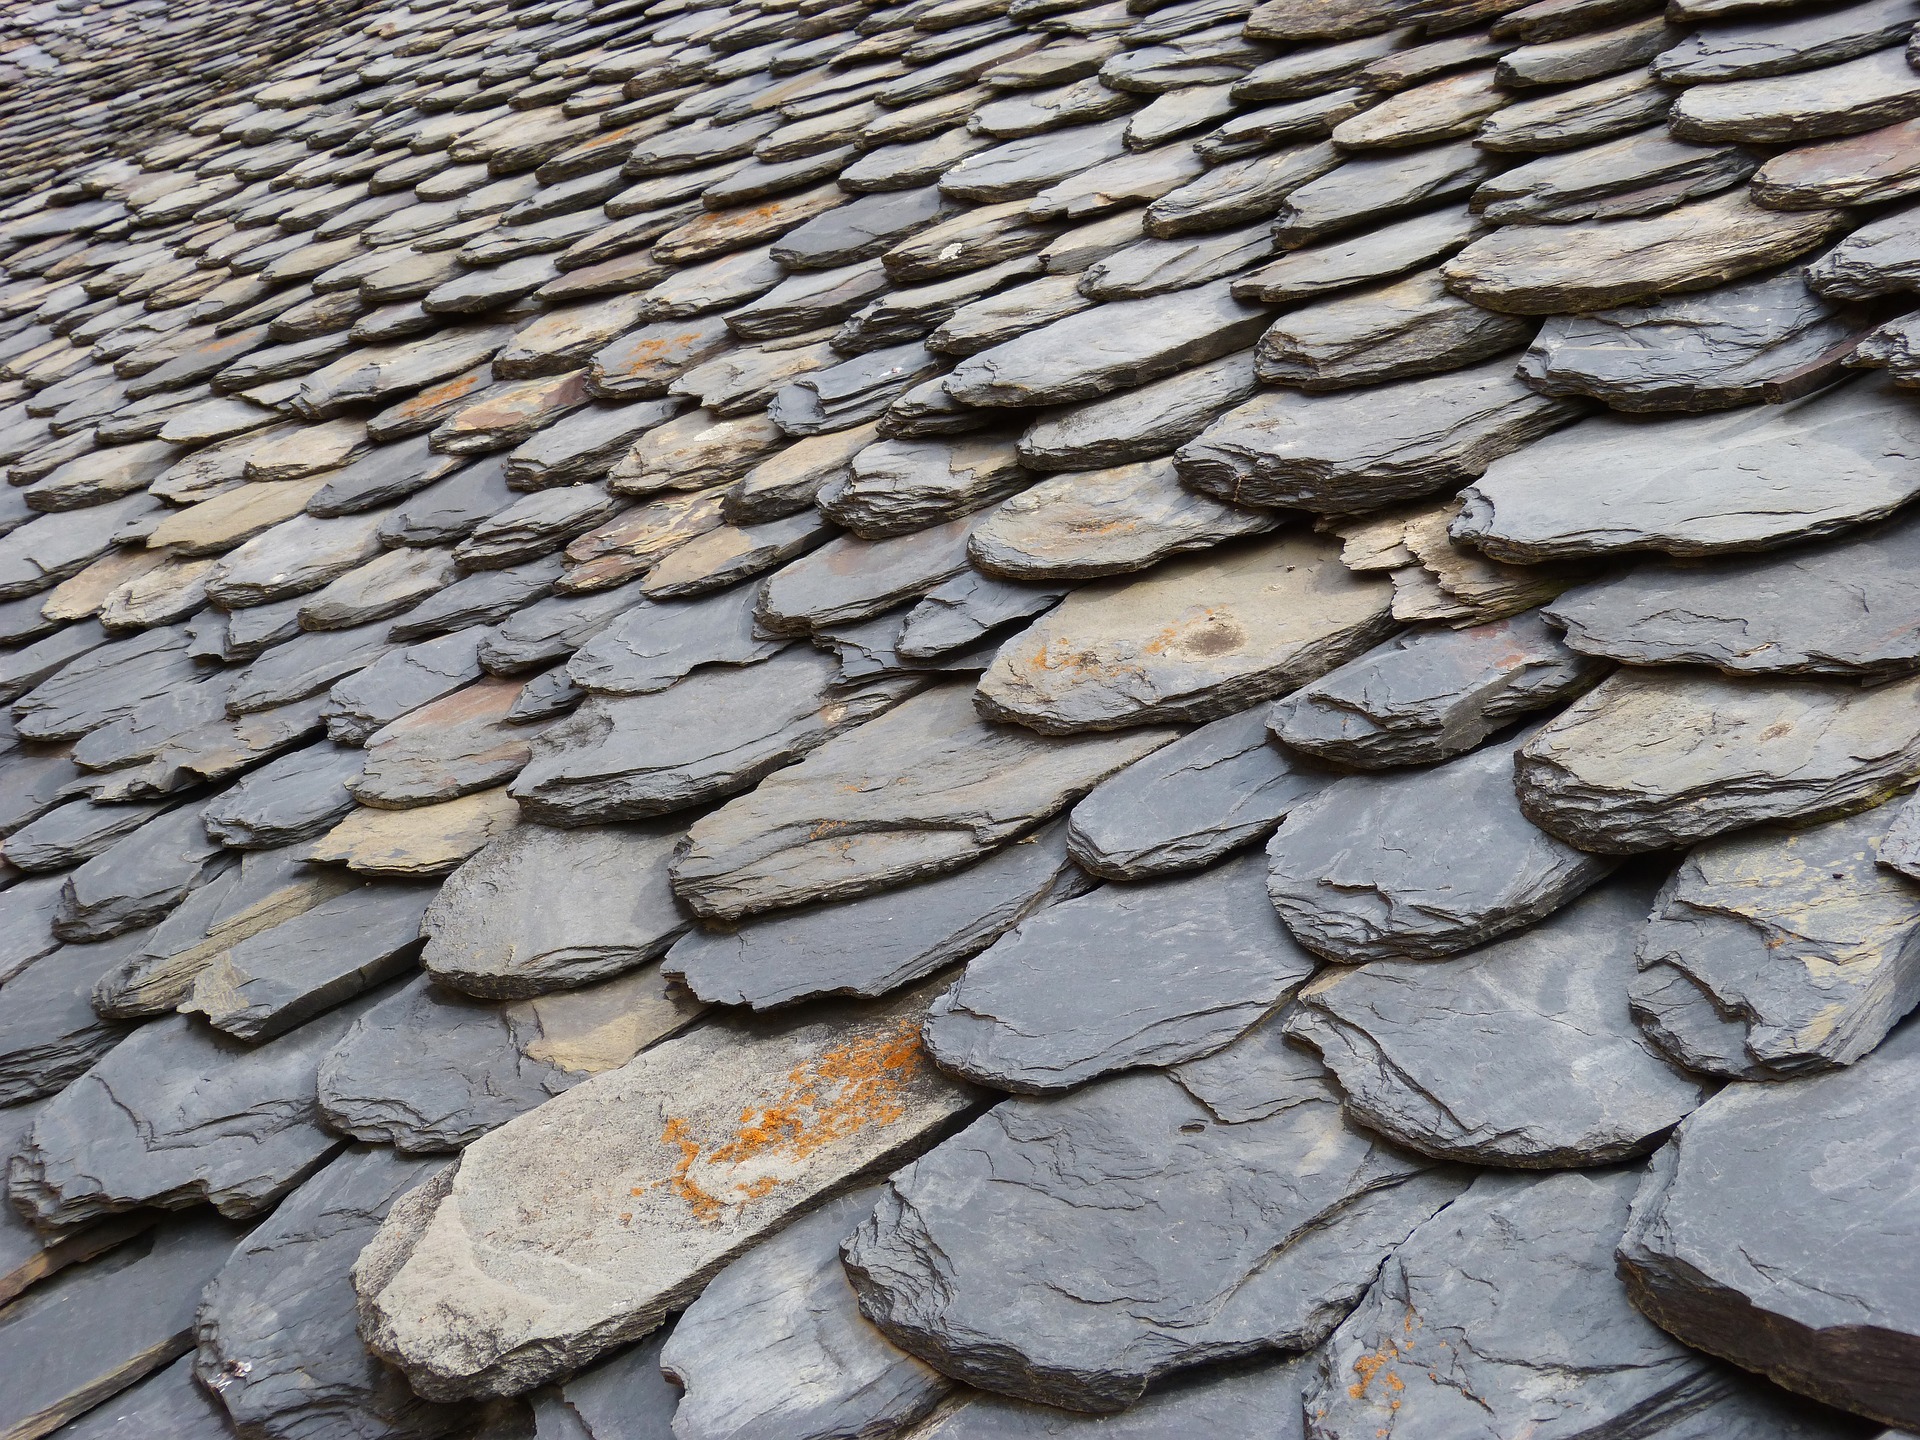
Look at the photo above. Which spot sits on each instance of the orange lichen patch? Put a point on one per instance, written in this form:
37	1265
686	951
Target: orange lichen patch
1204	631
848	1088
1368	1368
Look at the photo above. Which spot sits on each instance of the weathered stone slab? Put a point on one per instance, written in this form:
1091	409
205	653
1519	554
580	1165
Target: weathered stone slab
1421	864
925	788
1429	694
138	878
870	946
1566	118
895	487
1150	974
178	1115
1104	522
998	317
807	301
429	1070
1140	423
1523	1266
1035	1253
382	476
43	552
961	613
303	664
1853	170
275	1331
643	363
1638	174
693	452
103	683
1107	348
29	1256
1841	99
635	540
1766	339
1843	608
713	734
1520	1053
284	975
1651	759
1342	452
1378	254
1700	485
1375	186
1762	45
292	558
1547	270
1882	257
611	1205
852	392
448	509
1254	1397
861	229
384	586
168	1402
649	646
787	481
49	1030
422	840
1780	952
1155	266
69	834
93	1331
379	373
494	931
1193	640
403	680
449	747
1756	1269
776	1344
850	579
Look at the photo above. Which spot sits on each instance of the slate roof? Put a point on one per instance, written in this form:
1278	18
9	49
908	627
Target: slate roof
973	718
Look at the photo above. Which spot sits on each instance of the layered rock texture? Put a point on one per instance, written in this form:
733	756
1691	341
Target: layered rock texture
959	719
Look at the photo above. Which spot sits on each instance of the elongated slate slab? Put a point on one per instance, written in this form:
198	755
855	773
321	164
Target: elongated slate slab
295	797
1149	974
1035	1253
1520	1053
1859	94
1104	522
1139	423
1107	348
275	1331
1851	170
876	944
1362	449
1377	186
1656	758
178	1115
1502	1315
1422	863
1757	1269
1703	484
1780	952
1768	338
494	930
714	734
925	788
168	1402
652	646
958	614
1544	270
611	1206
453	746
1882	257
1642	173
1194	640
849	579
430	1070
90	1333
776	1344
1842	608
895	487
1426	695
138	879
1250	1397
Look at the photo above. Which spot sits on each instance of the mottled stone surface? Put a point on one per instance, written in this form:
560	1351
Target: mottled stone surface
1655	758
776	1344
1613	483
1840	608
1148	974
1757	1270
1428	694
1519	1053
925	788
1035	1253
673	1151
1421	864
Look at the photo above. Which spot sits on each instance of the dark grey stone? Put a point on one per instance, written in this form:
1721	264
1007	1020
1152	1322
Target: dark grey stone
1700	485
852	392
24	668
71	833
483	598
807	301
1141	423
49	1030
1764	45
168	1402
1363	449
96	1329
104	683
447	510
276	1328
1069	1251
1565	119
295	797
382	476
849	579
583	446
552	629
305	665
399	681
1882	257
178	1115
1258	1397
1107	348
961	613
1843	98
1638	174
1774	953
650	646
1745	1236
1149	974
1520	1053
1380	254
284	975
1421	864
895	487
625	1398
713	734
910	312
534	525
1026	166
1764	339
1374	187
1502	1315
1239	190
776	1345
863	229
925	788
137	879
1655	758
1427	695
1843	608
879	943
